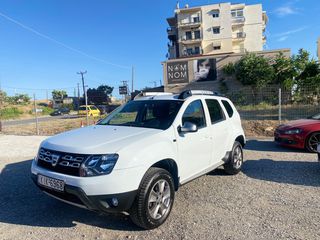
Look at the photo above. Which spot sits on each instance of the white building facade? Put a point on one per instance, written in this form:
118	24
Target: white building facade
216	29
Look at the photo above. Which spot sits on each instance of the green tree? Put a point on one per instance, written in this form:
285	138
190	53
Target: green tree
254	70
228	69
59	94
18	99
3	96
106	89
99	95
284	71
300	61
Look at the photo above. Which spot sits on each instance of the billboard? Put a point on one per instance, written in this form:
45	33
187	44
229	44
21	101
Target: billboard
205	69
177	72
123	90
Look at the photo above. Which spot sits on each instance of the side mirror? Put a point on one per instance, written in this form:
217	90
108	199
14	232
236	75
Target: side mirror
188	127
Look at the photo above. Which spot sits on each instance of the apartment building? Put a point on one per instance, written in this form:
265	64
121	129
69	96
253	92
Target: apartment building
216	29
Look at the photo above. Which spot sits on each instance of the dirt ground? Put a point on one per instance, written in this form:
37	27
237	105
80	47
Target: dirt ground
276	196
262	128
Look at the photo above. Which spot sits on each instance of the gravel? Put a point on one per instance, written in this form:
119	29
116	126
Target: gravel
275	197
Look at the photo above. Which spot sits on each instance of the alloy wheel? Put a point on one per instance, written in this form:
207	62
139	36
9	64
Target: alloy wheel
159	199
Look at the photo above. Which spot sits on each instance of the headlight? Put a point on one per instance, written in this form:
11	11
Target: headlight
293	131
98	165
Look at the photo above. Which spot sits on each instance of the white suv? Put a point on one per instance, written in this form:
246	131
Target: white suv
135	159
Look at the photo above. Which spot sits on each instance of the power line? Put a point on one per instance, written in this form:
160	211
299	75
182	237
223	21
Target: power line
36	89
60	43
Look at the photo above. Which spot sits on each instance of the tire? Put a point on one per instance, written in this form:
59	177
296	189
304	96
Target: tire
312	141
235	161
152	205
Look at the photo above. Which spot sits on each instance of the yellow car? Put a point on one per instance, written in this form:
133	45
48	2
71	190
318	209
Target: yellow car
92	110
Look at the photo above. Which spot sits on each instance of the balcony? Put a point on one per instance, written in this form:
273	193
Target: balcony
196	22
238	20
172	33
192	40
187	53
239	36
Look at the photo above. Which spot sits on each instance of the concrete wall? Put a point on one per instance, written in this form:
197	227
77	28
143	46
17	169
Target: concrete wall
222	60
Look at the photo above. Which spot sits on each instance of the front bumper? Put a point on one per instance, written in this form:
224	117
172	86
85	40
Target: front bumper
110	203
293	140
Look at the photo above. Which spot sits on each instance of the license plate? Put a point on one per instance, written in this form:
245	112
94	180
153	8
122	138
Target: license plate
51	183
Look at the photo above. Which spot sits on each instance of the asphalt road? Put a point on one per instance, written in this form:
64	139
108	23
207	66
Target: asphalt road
32	120
276	196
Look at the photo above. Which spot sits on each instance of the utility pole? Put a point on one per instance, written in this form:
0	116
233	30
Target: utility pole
36	113
78	96
132	79
85	94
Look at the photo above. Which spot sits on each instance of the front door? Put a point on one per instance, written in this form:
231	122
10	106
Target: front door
195	148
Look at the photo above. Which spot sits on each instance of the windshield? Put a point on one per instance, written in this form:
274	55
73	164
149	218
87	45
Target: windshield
157	114
315	117
82	108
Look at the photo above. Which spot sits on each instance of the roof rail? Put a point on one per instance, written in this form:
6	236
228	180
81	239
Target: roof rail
188	93
152	94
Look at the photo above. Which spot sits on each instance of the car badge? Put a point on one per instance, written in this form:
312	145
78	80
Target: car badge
55	159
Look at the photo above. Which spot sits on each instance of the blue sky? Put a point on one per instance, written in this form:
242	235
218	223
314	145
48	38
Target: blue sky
44	43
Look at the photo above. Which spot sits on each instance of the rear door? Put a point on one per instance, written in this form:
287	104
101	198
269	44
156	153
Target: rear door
219	130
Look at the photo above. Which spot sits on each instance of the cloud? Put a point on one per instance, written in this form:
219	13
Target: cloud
285	35
290	32
288	8
285	10
281	39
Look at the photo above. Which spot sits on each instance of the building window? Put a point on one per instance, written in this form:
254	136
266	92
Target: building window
188	35
237	13
216	30
215	13
196	50
197	34
216	47
189	51
196	19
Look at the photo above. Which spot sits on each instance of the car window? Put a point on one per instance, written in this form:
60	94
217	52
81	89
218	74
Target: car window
194	113
157	114
228	108
216	113
82	108
93	108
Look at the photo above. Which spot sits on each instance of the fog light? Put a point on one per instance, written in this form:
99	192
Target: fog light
115	202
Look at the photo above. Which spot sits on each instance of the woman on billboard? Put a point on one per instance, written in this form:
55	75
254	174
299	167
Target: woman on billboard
205	70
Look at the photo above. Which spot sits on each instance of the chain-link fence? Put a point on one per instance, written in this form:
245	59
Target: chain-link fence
274	103
266	107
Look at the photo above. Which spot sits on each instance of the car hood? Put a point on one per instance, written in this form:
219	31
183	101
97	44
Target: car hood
98	139
298	124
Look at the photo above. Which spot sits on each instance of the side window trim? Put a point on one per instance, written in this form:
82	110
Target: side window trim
227	102
221	111
203	113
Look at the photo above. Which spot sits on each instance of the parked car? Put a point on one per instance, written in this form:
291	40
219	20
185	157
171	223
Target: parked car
92	110
302	134
60	111
135	159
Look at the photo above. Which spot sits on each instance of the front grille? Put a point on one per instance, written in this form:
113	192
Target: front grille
67	163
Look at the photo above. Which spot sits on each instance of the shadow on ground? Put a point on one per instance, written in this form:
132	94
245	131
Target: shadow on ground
288	172
269	146
21	202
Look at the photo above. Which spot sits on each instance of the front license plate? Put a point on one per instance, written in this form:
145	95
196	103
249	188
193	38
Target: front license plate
51	183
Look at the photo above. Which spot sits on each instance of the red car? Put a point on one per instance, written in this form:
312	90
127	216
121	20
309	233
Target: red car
303	134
